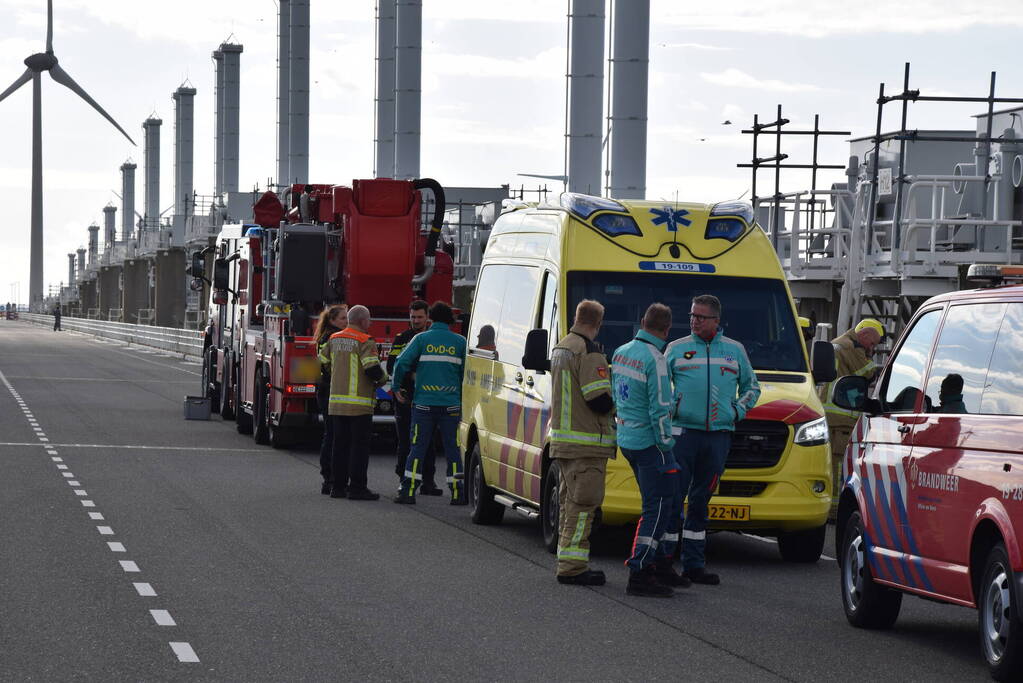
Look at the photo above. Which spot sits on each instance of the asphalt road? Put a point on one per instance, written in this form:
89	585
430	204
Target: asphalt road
137	546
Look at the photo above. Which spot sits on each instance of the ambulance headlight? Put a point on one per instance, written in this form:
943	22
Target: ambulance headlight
584	205
614	224
812	433
729	229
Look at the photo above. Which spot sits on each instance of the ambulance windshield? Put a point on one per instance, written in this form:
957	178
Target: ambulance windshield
755	311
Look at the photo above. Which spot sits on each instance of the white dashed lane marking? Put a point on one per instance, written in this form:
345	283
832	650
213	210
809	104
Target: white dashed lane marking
161	617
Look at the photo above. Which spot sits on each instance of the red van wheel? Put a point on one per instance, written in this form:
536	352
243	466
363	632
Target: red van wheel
867	604
1001	632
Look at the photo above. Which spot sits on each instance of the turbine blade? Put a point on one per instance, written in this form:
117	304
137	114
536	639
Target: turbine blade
49	26
58	74
22	80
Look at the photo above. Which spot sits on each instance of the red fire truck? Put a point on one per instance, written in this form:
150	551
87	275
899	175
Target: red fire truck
313	246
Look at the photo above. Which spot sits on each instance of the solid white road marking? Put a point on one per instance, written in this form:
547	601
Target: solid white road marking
203	449
129	566
145	590
105	531
88	504
96	516
162	617
184	652
116	547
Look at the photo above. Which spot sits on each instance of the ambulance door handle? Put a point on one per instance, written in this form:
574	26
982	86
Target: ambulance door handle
518	377
529	381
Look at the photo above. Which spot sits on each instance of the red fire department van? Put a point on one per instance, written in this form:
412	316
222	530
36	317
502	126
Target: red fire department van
932	495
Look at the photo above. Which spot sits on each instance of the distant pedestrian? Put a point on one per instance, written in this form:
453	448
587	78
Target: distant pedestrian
355	373
56	318
332	319
715	387
643	398
418	322
437	356
582	439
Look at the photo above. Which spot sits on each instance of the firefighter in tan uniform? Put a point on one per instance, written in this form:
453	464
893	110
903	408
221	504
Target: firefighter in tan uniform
355	372
582	439
853	356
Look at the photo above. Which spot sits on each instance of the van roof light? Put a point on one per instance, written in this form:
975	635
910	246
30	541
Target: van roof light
743	210
584	205
991	274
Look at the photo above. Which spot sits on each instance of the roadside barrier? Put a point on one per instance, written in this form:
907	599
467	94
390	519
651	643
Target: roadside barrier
186	342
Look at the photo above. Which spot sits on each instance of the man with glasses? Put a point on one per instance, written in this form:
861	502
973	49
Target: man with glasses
715	387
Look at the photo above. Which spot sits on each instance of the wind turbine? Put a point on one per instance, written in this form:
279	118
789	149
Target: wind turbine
37	64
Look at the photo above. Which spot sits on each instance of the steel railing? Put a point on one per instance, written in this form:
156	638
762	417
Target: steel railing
186	342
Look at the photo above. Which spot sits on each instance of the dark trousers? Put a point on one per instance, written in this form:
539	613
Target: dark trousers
403	429
657	477
327	444
701	459
56	324
351	451
425	420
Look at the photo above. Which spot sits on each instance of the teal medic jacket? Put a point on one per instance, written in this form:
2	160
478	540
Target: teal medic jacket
437	356
715	385
642	394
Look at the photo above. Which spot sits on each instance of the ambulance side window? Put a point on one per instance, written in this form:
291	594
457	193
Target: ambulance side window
517	312
486	308
905	380
548	318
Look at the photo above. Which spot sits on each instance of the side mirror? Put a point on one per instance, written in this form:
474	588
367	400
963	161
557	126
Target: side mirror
221	274
851	393
535	357
822	362
198	267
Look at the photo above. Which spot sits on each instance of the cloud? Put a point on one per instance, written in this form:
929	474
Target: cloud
695	46
548	64
734	78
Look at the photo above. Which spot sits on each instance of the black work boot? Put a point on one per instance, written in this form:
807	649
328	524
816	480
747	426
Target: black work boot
430	489
339	492
701	575
644	583
589	577
403	499
667	575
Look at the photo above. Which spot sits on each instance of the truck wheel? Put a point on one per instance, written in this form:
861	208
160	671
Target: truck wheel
1001	631
805	545
279	437
210	387
867	604
244	419
484	509
260	426
227	388
550	507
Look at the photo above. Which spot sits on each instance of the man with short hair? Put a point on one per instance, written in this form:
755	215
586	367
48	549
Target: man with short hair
582	439
355	373
643	399
715	387
437	356
418	322
853	356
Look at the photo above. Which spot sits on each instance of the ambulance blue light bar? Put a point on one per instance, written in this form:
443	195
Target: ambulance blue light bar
729	221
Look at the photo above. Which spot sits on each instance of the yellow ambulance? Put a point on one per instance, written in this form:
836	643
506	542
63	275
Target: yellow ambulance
542	259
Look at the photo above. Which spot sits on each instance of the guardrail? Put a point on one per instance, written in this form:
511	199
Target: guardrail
186	342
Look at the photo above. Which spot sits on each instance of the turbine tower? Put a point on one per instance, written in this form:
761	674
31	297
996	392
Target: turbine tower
37	64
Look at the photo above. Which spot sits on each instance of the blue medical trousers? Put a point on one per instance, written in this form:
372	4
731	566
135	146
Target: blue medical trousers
425	419
701	459
657	477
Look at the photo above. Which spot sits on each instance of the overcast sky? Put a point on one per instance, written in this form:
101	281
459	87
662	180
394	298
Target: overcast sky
493	91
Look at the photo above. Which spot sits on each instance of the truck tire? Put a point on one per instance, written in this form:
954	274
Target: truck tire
279	437
227	388
866	604
1001	631
550	507
804	546
211	389
260	426
484	509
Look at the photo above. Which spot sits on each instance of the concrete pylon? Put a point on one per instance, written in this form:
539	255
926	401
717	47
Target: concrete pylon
93	244
127	199
298	92
109	225
151	150
585	95
408	76
383	165
630	67
283	91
